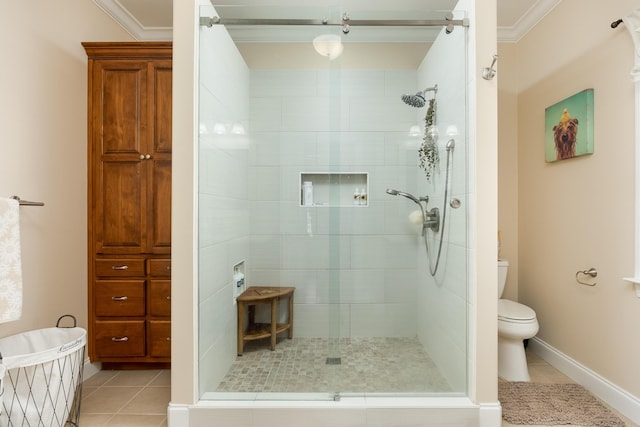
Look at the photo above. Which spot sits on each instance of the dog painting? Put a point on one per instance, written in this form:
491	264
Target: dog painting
565	134
562	140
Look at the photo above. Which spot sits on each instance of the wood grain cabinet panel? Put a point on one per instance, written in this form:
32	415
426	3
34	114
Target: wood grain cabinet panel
119	298
129	189
120	338
159	338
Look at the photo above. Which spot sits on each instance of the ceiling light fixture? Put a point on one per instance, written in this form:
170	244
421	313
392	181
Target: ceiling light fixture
329	45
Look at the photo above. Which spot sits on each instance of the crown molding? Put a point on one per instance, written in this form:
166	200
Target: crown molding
131	25
527	21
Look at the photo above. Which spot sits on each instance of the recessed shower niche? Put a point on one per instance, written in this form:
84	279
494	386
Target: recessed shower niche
334	189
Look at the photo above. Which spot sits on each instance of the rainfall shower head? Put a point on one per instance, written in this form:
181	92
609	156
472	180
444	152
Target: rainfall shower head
418	100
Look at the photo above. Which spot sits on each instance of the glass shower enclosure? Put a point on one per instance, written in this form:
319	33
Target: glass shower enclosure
339	168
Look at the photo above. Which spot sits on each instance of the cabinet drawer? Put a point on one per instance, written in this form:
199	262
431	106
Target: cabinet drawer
119	298
159	338
159	267
120	268
120	339
159	297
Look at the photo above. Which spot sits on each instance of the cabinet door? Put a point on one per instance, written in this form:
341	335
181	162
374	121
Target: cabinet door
159	338
119	125
159	297
159	143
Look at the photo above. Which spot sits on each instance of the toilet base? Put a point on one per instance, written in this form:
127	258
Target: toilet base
512	360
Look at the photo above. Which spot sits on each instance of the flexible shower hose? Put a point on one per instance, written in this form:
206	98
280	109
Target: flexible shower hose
434	269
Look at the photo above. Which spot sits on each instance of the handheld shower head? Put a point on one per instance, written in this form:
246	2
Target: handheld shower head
403	194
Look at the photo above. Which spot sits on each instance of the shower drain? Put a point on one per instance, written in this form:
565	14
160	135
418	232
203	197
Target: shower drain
334	361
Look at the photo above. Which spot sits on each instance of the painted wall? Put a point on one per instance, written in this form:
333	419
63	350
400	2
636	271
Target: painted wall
43	149
579	213
508	164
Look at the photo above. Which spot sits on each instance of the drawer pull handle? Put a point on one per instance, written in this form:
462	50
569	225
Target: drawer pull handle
122	298
123	339
168	267
120	267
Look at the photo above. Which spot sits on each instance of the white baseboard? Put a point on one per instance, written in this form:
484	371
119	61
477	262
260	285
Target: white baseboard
619	399
490	415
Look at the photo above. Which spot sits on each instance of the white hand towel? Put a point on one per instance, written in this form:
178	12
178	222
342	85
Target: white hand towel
10	261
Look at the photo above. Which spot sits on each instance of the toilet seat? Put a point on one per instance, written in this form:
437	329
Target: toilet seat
513	312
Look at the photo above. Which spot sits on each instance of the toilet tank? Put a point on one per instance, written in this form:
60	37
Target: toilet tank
503	266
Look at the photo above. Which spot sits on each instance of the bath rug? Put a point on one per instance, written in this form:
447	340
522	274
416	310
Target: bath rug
553	404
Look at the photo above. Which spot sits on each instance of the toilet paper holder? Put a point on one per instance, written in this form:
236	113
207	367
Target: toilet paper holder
590	272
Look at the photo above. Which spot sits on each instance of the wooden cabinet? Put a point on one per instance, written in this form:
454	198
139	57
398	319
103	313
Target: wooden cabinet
129	211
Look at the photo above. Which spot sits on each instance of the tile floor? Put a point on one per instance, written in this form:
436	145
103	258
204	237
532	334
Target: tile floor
126	399
300	365
140	398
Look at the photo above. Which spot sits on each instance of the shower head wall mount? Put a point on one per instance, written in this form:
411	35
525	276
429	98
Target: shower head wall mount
430	218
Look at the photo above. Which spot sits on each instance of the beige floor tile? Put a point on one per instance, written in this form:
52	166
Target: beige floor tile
108	399
94	420
133	378
162	380
150	401
137	421
99	379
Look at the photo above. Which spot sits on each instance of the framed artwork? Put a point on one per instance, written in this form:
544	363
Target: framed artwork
569	127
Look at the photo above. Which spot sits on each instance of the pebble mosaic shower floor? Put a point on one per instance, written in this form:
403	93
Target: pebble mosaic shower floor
300	365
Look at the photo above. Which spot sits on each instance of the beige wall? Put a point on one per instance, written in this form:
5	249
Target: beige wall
577	213
43	154
508	163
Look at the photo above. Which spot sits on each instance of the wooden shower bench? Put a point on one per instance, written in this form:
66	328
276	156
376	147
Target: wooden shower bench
263	295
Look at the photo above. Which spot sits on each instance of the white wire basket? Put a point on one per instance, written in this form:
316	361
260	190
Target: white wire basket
41	377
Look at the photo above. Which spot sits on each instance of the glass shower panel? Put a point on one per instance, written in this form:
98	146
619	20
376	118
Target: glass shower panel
296	153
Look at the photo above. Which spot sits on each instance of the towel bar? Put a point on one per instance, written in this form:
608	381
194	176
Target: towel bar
26	203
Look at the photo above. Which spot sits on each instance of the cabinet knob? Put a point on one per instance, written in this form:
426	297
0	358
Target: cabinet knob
169	297
121	339
141	156
168	338
148	156
122	298
120	267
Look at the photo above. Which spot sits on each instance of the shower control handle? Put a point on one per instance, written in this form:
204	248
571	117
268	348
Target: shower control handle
432	220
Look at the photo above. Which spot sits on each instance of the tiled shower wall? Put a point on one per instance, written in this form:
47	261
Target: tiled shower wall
223	211
354	268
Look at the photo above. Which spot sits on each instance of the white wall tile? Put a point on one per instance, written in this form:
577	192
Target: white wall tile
383	320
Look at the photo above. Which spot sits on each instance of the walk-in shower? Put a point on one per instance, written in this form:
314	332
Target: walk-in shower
364	298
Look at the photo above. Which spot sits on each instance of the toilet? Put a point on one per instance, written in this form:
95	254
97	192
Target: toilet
516	323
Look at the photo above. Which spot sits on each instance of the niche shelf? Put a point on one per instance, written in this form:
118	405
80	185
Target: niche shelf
335	189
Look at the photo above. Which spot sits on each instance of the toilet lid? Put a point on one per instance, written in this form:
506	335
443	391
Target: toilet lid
511	310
